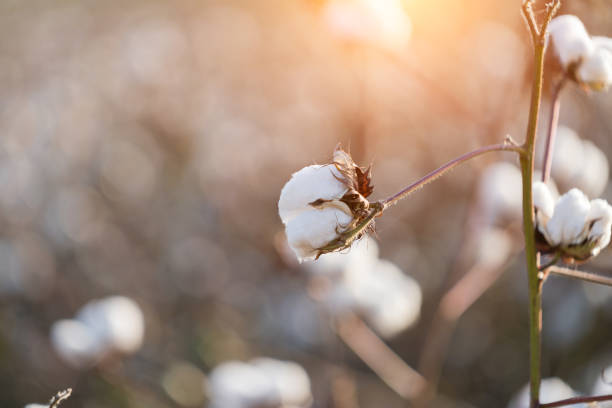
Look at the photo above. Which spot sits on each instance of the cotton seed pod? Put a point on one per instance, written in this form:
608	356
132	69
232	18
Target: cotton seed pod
570	39
321	202
576	228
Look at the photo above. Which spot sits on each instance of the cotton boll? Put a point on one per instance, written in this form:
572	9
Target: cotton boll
239	385
595	71
570	39
551	389
76	343
118	320
499	193
494	246
36	406
568	220
600	215
313	229
290	379
389	300
306	186
602	42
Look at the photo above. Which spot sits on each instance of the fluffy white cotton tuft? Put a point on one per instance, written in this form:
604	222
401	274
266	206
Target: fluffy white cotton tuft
570	39
289	378
568	220
313	229
117	320
543	202
76	343
263	382
308	185
595	71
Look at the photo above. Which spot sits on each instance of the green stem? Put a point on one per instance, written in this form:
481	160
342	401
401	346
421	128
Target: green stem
535	288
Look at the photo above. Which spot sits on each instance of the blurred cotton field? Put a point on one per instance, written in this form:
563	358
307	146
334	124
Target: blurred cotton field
143	149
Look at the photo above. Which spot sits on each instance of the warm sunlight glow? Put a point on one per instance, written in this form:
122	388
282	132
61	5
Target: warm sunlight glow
380	22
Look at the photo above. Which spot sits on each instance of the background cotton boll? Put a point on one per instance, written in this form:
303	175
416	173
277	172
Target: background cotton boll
290	379
76	343
494	247
568	218
578	163
118	320
596	69
36	406
307	185
314	229
552	389
570	39
239	385
603	387
389	300
499	193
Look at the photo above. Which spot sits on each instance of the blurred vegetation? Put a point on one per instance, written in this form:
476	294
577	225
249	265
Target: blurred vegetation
143	147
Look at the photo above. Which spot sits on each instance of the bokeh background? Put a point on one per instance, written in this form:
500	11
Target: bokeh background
143	147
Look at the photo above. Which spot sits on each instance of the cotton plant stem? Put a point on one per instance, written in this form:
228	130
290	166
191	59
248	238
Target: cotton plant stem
576	400
398	375
553	124
440	171
535	284
581	275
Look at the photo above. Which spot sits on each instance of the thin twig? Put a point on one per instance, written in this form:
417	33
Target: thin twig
447	167
576	400
553	124
585	276
58	398
394	371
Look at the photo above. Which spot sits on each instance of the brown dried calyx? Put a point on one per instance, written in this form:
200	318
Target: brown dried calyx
357	180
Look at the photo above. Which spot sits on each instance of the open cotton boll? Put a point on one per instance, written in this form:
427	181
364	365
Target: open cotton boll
551	389
602	42
389	300
76	343
570	39
309	185
568	220
118	320
594	172
240	385
595	71
313	229
290	379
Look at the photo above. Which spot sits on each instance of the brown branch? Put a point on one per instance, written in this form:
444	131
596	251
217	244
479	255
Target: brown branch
398	375
576	400
585	276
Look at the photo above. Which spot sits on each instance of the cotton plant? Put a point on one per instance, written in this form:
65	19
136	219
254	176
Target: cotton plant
585	59
262	382
328	208
112	325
